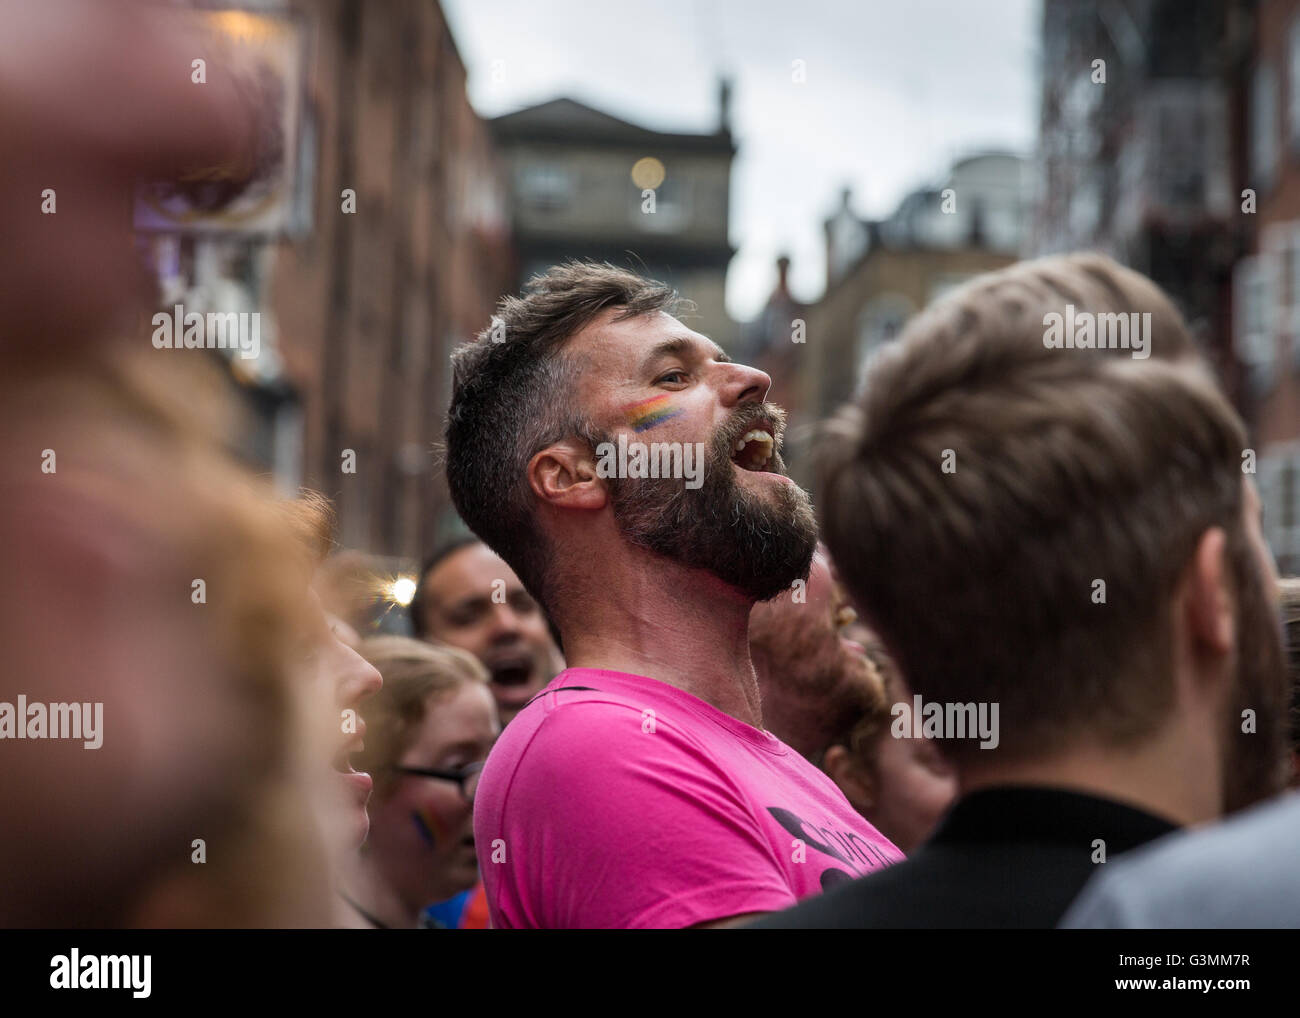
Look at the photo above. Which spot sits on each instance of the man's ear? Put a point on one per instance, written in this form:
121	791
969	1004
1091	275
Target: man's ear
840	767
1207	598
564	475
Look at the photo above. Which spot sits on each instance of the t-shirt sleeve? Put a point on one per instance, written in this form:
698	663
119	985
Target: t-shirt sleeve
612	823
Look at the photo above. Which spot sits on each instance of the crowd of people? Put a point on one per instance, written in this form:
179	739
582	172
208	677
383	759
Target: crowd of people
1032	628
1022	660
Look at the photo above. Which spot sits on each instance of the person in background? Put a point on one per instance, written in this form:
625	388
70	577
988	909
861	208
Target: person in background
428	732
467	597
814	683
339	678
902	785
1060	543
827	686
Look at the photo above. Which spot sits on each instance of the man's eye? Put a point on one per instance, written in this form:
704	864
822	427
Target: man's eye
672	376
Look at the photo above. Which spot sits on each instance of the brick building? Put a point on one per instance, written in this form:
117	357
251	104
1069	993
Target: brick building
881	272
368	305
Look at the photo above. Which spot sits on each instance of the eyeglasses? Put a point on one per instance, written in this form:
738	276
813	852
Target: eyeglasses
466	778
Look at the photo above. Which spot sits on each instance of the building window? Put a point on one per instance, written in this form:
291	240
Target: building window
546	186
1278	478
881	321
1263	126
1281	246
1255	311
672	207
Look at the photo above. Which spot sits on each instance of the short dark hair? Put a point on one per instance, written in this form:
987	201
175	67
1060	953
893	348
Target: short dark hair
419	602
512	396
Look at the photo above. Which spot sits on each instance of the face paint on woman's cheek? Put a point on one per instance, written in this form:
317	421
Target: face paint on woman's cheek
650	413
427	823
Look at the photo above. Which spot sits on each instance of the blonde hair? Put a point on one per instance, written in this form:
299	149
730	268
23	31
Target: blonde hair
144	484
413	672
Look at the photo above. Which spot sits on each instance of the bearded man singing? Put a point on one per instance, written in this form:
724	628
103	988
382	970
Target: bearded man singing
639	789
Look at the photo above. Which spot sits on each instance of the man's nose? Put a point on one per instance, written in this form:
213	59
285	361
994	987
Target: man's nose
743	384
505	620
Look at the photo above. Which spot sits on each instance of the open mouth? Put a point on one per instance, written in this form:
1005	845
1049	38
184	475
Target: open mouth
342	761
512	670
754	450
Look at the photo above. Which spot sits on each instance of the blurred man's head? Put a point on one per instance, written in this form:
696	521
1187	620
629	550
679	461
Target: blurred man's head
902	785
814	682
467	597
1065	532
590	359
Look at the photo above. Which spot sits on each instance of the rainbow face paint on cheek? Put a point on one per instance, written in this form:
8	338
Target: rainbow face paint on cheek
650	413
427	823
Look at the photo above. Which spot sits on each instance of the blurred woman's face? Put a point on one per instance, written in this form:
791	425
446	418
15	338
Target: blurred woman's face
422	834
344	679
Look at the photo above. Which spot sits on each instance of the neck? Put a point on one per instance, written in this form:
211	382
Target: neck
681	626
1168	776
365	886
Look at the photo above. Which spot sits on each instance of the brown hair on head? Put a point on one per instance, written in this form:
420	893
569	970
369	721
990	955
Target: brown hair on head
982	483
512	395
413	671
311	520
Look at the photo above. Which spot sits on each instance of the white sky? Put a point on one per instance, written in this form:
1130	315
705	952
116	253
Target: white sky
895	90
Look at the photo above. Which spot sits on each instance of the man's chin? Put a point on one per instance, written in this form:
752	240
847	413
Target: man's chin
510	700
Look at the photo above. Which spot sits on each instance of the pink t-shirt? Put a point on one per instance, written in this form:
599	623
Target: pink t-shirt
641	806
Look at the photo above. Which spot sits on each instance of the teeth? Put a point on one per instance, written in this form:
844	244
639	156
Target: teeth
753	436
757	435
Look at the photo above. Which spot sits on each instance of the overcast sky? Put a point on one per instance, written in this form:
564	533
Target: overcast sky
894	91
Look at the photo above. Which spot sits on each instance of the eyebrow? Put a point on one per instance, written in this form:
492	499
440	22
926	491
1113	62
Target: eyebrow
464	746
680	346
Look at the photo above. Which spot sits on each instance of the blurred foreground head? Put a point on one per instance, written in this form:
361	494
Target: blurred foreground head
95	96
1063	532
147	572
